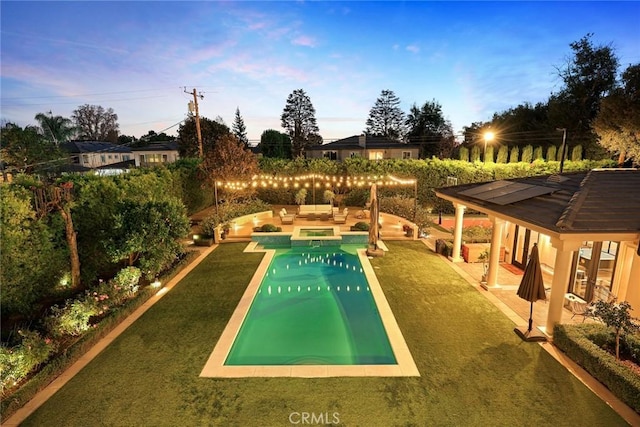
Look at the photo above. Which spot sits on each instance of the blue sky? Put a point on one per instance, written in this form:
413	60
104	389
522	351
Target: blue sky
474	58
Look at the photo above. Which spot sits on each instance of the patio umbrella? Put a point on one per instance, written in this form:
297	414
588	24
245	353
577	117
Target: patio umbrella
532	289
373	228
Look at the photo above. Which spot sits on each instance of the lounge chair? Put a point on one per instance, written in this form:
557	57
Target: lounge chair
341	218
286	218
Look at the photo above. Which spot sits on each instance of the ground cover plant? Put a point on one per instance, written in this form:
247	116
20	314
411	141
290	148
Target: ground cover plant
474	370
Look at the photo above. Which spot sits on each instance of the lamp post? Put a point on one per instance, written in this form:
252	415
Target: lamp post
563	148
488	136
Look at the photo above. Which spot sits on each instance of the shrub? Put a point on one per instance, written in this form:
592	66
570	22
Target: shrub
618	318
73	318
476	234
230	210
514	154
574	340
576	153
401	206
270	228
527	154
489	156
301	196
463	154
360	226
551	153
537	153
502	154
127	279
444	247
17	362
475	154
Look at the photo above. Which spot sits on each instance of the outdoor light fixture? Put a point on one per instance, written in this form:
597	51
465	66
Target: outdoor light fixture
488	136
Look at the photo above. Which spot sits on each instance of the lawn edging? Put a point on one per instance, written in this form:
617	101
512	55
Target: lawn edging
574	341
68	356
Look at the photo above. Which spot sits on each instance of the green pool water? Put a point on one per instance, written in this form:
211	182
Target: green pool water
314	306
321	232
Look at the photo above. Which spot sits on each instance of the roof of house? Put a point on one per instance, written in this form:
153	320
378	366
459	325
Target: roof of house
157	146
352	143
95	147
597	201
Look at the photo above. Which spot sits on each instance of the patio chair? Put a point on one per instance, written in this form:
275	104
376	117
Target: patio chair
341	218
286	218
580	309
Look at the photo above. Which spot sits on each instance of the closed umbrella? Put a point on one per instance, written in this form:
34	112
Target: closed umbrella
375	213
532	289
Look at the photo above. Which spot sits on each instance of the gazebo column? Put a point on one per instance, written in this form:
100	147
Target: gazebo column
561	275
457	233
494	257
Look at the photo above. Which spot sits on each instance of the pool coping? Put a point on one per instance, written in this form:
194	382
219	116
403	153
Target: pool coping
215	367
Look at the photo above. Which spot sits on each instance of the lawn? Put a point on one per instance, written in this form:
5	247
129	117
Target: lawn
474	370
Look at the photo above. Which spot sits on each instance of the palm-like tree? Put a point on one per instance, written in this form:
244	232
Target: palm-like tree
55	129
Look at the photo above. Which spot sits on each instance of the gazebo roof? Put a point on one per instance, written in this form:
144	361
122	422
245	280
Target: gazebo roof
597	201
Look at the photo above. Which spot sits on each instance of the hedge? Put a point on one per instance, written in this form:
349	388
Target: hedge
577	341
60	363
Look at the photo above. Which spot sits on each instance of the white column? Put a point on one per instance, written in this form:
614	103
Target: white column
494	257
457	233
561	275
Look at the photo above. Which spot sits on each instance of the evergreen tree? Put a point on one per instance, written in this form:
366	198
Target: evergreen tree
527	154
514	154
537	153
239	129
503	154
299	119
385	117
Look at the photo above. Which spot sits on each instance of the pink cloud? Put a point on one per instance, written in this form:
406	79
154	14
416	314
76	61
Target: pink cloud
304	41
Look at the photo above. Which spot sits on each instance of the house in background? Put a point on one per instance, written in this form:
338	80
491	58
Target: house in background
586	226
368	147
105	156
156	153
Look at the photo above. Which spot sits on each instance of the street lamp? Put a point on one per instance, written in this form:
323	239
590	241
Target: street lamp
488	136
563	148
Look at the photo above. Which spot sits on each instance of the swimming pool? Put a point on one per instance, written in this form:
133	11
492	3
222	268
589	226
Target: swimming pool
314	306
316	364
316	232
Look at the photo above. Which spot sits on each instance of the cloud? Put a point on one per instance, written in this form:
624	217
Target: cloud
413	48
304	41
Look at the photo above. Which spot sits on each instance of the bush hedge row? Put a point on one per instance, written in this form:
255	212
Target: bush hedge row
17	398
577	341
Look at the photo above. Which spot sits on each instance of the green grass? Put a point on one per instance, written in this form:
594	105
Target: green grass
474	369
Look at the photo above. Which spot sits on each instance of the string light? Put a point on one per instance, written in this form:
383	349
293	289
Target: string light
315	180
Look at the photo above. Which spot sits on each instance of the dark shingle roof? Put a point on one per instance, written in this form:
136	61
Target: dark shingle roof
95	147
598	201
157	146
352	143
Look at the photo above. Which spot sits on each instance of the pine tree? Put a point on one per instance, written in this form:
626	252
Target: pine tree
239	129
299	119
385	117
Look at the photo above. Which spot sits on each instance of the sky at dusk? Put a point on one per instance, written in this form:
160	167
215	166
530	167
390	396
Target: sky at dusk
474	58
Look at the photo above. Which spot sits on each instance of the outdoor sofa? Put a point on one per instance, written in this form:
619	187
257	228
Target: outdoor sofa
305	210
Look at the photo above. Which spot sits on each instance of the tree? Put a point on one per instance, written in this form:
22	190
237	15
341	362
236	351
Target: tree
617	317
588	76
427	126
94	123
299	119
148	233
210	130
385	117
229	161
27	149
275	144
55	129
618	121
30	257
239	129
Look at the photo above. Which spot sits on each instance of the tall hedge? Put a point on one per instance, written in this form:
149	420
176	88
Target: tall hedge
503	154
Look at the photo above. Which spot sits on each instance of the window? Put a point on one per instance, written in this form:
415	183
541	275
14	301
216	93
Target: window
376	155
165	158
85	159
103	158
125	157
406	154
331	155
110	157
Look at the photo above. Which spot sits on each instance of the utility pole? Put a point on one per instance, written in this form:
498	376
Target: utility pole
197	114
